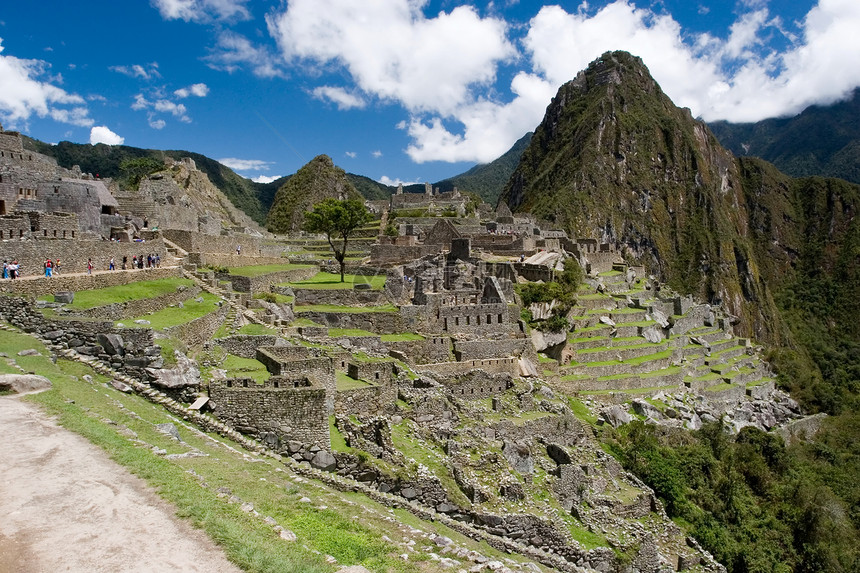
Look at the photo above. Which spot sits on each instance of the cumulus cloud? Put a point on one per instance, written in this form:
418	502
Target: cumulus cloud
101	134
160	105
386	180
392	51
351	154
202	11
234	51
27	91
245	164
145	72
376	154
265	178
738	78
339	96
199	90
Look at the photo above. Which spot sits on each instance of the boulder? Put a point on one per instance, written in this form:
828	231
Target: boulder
324	460
23	383
183	375
121	386
643	408
607	320
660	318
616	416
112	343
653	334
519	456
66	297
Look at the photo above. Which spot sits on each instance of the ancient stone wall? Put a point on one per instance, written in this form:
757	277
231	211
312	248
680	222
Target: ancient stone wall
263	283
196	242
199	330
231	260
489	365
477	385
339	297
475	349
245	345
275	415
398	254
372	400
74	254
374	371
378	322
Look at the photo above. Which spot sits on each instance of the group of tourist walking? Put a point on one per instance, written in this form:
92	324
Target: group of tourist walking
11	270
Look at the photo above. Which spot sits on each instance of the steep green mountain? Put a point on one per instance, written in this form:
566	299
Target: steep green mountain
488	179
615	159
106	160
319	179
822	140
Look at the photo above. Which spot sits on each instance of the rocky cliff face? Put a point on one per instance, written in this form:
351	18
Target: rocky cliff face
615	159
319	179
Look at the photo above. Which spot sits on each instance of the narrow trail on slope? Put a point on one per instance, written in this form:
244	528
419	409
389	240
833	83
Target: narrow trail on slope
65	506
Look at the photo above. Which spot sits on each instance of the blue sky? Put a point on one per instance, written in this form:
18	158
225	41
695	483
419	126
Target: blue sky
396	90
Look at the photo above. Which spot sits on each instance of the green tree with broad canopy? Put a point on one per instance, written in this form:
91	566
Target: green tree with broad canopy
337	219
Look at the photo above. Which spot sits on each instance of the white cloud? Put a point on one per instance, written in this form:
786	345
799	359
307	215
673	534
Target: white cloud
265	178
147	72
25	93
339	96
386	180
177	110
739	78
101	134
202	11
351	154
245	164
376	154
392	51
199	90
235	51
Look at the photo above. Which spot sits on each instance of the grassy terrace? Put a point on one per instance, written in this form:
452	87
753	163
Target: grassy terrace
174	316
350	309
329	281
238	367
259	270
344	382
87	299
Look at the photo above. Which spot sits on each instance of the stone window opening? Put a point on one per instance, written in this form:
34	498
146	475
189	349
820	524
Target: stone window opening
500	319
2	205
377	375
489	319
229	383
55	233
276	384
73	234
245	383
46	232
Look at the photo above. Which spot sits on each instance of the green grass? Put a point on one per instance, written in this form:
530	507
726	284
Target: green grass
86	299
338	442
351	309
305	322
259	270
401	337
238	367
344	382
324	280
255	329
174	316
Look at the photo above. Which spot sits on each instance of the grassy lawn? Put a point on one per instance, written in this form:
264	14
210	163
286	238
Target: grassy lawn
254	329
352	309
238	367
401	337
344	382
86	299
324	280
258	270
174	316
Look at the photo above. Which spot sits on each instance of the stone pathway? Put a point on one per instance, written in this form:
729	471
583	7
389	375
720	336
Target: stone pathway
65	506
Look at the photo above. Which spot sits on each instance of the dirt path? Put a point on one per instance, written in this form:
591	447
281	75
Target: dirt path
65	506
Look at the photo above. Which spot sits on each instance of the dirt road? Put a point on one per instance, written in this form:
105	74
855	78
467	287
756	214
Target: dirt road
65	506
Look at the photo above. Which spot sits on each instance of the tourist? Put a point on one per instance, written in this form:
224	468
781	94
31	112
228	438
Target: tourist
48	268
14	269
157	260
89	266
111	265
140	262
238	249
124	262
134	262
57	267
5	269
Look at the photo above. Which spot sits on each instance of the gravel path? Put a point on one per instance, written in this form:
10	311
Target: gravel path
65	506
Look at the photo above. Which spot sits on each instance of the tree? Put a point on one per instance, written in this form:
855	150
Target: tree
135	169
337	219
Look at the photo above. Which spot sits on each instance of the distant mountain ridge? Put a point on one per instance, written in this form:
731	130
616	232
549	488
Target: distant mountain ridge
821	140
